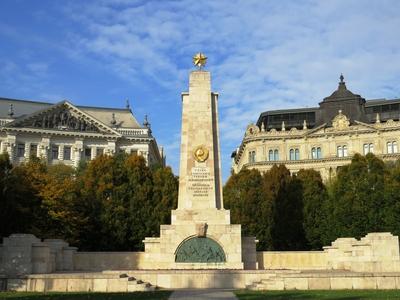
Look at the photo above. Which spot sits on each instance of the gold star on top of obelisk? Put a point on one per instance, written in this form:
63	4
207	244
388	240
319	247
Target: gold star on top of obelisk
199	60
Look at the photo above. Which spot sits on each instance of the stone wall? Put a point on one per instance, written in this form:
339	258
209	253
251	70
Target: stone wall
294	260
23	254
99	261
376	252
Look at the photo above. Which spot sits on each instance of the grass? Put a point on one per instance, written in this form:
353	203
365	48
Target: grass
158	295
326	295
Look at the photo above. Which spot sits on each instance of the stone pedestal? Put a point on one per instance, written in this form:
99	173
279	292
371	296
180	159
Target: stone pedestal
200	235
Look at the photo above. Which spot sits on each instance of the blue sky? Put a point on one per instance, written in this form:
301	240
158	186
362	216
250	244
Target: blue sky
263	55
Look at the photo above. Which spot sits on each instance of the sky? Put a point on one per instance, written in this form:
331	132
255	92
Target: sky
262	55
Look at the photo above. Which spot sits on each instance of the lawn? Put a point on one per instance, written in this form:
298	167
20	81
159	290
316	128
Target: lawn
158	295
326	295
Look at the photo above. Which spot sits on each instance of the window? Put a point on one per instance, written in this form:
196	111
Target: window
291	154
88	153
252	156
316	152
67	153
368	148
54	152
273	155
99	151
341	151
276	154
391	147
134	151
270	155
20	150
294	154
33	150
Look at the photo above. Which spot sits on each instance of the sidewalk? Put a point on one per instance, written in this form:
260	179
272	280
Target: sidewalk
202	294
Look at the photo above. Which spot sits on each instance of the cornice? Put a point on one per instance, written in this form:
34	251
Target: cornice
47	132
314	161
360	129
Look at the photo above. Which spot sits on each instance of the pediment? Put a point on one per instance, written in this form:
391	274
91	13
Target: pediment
62	116
317	130
363	125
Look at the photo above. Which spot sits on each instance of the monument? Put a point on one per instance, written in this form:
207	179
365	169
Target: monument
201	234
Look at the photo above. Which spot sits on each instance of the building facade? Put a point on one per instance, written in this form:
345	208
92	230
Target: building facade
323	138
68	134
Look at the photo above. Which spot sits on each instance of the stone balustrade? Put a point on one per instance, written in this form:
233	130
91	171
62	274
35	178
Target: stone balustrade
134	132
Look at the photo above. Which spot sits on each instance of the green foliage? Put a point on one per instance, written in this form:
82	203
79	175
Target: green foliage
314	199
243	196
110	203
284	193
318	295
300	212
356	199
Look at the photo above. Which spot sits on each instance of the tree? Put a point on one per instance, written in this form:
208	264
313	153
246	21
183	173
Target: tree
391	210
284	193
243	195
356	199
314	198
165	195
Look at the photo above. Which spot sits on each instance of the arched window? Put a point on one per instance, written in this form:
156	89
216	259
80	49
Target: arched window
291	154
344	151
296	154
368	148
276	154
391	147
270	155
252	156
313	153
319	152
316	152
339	151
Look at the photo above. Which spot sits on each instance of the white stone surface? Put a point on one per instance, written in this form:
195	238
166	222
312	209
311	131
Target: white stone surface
200	203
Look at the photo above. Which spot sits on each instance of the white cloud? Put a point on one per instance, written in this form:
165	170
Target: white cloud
262	54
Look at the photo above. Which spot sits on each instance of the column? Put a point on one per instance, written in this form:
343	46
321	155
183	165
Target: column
10	146
27	150
77	152
44	147
61	152
93	152
111	147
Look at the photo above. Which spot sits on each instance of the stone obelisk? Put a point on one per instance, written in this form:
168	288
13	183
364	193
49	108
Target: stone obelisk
200	168
200	235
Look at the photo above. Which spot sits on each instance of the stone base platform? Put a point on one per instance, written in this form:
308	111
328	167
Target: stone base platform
143	280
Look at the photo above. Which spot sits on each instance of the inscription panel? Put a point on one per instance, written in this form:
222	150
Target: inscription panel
200	182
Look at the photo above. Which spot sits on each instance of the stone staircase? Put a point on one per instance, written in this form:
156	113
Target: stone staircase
274	280
136	285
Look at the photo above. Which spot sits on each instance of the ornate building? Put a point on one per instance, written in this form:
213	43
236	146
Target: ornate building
322	138
65	133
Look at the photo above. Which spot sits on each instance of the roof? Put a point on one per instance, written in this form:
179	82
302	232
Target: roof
382	101
123	116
